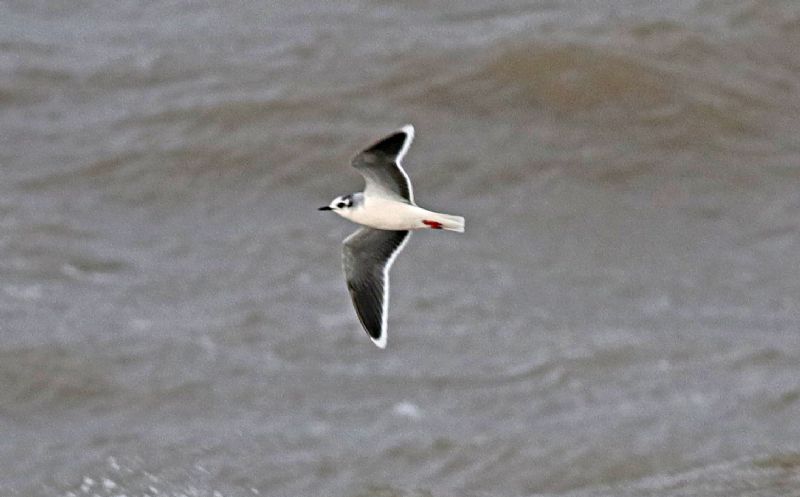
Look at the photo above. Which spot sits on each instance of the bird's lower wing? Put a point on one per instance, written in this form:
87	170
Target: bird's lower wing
367	256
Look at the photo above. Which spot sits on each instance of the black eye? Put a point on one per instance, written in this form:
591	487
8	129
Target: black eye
340	205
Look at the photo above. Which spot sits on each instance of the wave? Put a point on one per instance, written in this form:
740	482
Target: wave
49	377
768	475
605	85
642	87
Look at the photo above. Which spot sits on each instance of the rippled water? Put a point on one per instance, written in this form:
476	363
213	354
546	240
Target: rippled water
620	318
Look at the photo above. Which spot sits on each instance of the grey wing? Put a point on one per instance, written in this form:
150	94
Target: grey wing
381	166
367	256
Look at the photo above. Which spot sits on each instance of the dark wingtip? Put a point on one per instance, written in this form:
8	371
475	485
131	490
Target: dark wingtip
391	145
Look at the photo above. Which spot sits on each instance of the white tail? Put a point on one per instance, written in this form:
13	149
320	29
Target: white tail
450	223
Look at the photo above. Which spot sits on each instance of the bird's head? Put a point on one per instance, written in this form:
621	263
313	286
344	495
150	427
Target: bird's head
340	204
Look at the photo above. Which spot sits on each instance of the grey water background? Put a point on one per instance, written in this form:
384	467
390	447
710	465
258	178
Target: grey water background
621	316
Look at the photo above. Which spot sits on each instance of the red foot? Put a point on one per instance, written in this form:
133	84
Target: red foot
435	225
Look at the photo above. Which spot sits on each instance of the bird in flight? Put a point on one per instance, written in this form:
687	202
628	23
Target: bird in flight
387	212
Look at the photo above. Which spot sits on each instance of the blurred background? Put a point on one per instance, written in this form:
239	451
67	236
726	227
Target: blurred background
621	316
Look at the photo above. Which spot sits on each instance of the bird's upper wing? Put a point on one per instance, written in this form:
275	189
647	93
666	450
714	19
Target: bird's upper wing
368	254
381	166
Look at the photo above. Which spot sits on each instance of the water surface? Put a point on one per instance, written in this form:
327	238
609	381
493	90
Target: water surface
620	318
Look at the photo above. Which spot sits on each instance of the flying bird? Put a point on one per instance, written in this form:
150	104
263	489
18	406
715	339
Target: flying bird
387	212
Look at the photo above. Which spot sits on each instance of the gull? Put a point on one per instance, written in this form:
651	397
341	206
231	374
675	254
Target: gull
387	212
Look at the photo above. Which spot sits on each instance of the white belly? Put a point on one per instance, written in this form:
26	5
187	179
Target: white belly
386	214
